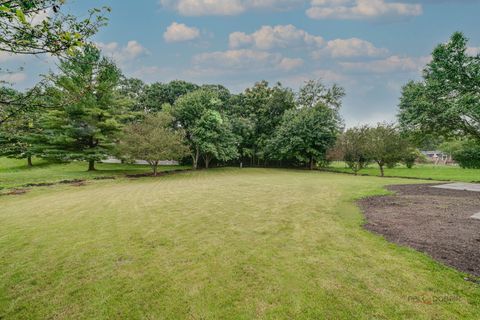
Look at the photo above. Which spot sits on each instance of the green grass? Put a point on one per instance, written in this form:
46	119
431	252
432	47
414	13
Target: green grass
15	173
420	171
217	244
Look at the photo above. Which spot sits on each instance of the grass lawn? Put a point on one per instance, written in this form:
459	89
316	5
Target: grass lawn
421	171
15	173
217	244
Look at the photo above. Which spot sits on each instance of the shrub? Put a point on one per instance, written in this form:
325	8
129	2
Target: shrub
468	156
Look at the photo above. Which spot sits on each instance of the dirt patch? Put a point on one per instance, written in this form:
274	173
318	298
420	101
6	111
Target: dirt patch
435	221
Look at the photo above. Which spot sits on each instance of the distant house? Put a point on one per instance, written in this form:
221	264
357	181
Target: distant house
438	156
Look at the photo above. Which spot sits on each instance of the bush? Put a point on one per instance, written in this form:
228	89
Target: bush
468	156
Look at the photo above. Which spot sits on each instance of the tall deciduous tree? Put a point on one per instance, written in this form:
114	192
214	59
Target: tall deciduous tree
153	140
306	134
188	110
447	101
213	138
83	119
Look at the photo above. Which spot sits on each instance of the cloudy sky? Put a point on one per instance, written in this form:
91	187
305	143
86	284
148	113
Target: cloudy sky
370	47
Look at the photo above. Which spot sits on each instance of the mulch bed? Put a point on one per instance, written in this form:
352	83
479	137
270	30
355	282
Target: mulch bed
434	221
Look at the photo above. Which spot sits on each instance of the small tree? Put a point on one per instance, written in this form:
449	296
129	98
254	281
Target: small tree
354	147
385	145
153	140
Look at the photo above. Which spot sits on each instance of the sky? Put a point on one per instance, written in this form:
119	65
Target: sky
369	47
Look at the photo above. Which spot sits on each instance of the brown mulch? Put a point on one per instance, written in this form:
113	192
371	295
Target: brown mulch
434	221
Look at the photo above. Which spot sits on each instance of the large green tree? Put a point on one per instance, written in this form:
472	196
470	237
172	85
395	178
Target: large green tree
447	101
208	131
213	137
306	134
83	119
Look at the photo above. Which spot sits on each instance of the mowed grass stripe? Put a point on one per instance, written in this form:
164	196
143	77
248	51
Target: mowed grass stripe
226	243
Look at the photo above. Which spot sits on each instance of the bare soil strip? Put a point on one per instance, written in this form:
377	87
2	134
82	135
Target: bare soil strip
435	221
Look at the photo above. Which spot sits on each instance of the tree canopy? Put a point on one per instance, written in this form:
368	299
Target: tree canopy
447	101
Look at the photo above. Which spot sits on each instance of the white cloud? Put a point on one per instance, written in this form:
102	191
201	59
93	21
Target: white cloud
473	51
245	59
125	54
390	64
289	64
280	36
178	32
360	9
223	7
14	77
353	47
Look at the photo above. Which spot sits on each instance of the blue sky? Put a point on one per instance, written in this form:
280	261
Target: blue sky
370	47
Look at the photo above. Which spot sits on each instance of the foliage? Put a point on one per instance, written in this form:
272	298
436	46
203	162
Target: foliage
314	92
21	32
465	152
353	144
411	155
84	116
19	137
213	137
197	112
305	135
153	140
386	145
447	101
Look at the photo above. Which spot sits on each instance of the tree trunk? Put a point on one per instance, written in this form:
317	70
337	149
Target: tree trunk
382	173
91	165
195	158
207	161
29	161
312	163
155	170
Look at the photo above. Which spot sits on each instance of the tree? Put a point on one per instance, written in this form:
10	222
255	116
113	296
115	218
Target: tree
305	135
83	119
314	92
385	145
187	111
447	101
19	138
156	95
21	31
213	138
264	107
153	140
354	147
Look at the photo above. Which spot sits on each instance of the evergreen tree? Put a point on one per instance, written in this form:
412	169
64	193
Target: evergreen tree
84	116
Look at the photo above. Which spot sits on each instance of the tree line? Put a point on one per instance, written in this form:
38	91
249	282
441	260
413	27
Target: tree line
88	111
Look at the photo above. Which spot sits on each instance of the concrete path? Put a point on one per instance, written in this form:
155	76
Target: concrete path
460	186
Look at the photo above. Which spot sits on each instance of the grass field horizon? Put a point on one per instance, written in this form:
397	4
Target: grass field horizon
224	243
419	171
